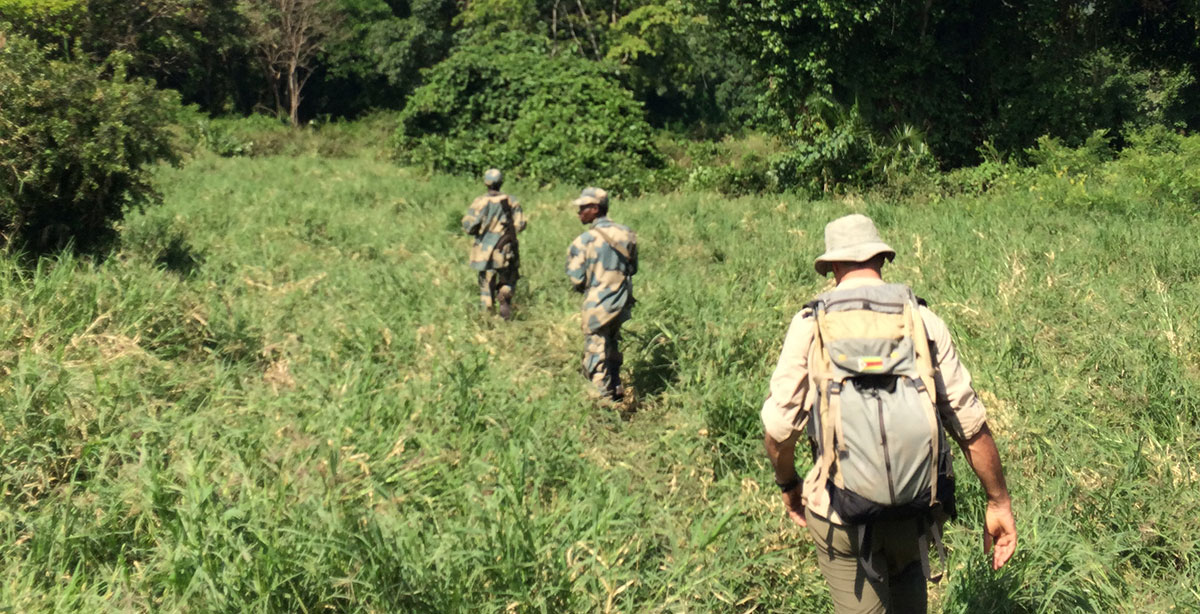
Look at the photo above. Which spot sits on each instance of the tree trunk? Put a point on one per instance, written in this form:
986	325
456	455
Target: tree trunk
293	95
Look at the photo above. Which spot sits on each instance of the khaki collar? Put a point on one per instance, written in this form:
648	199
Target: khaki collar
859	282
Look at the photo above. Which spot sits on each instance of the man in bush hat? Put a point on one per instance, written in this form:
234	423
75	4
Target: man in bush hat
871	375
494	219
600	264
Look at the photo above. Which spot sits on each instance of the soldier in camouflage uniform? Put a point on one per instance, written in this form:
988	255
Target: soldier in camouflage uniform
600	263
494	219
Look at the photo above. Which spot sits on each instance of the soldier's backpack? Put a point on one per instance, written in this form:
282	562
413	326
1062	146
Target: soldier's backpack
877	438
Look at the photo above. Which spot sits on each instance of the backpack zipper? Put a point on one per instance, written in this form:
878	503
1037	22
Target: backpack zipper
887	457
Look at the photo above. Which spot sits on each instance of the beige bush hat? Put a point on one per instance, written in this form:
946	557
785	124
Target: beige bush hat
852	238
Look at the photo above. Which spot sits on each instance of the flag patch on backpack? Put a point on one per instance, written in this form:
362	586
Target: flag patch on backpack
870	364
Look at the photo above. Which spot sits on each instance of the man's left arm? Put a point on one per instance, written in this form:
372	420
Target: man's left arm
518	215
633	254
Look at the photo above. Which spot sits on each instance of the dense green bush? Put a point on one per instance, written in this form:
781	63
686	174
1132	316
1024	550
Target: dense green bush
74	143
837	154
1155	172
507	103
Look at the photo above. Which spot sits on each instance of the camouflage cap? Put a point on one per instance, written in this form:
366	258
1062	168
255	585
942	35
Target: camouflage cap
591	196
493	177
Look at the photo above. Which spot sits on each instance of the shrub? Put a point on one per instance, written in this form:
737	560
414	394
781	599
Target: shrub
506	103
1052	155
74	143
217	137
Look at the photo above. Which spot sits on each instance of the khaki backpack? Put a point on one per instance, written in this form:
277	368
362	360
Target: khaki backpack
877	437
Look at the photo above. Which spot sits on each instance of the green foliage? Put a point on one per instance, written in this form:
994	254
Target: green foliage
1155	172
839	156
262	135
506	104
74	143
682	67
994	172
751	174
280	396
376	62
733	167
216	137
666	52
1052	156
972	72
488	18
833	150
402	46
197	47
43	19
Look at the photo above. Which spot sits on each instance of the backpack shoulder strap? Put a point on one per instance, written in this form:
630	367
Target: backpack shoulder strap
827	410
925	371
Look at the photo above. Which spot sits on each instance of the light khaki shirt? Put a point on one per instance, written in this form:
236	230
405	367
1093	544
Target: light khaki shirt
786	409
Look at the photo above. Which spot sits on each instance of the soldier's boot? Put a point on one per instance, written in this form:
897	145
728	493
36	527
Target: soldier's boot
615	361
505	305
618	393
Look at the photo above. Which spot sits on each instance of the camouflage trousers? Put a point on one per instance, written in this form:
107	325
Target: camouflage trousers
496	286
602	360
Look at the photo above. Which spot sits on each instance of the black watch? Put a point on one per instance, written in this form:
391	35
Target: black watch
789	486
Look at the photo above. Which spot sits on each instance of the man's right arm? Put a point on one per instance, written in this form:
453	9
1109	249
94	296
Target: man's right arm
784	412
577	265
783	459
472	221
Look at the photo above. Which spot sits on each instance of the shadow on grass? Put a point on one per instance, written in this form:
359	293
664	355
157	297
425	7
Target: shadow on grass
981	591
653	363
178	257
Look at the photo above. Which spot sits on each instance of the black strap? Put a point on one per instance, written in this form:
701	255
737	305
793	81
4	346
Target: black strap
866	558
926	528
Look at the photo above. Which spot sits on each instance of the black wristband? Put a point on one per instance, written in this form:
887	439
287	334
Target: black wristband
789	486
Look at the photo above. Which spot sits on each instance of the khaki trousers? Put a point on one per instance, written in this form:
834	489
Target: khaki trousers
898	561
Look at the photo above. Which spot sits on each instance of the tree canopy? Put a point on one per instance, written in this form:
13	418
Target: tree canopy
833	81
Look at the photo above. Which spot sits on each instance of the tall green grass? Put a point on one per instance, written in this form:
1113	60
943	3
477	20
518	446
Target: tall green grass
280	396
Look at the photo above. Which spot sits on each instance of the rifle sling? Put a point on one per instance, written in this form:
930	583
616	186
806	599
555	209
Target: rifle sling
613	244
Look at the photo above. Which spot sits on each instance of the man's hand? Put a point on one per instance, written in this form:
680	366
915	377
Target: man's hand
782	456
794	506
1000	530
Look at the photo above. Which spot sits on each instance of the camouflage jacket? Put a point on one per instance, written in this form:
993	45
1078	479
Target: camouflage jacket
600	263
494	219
